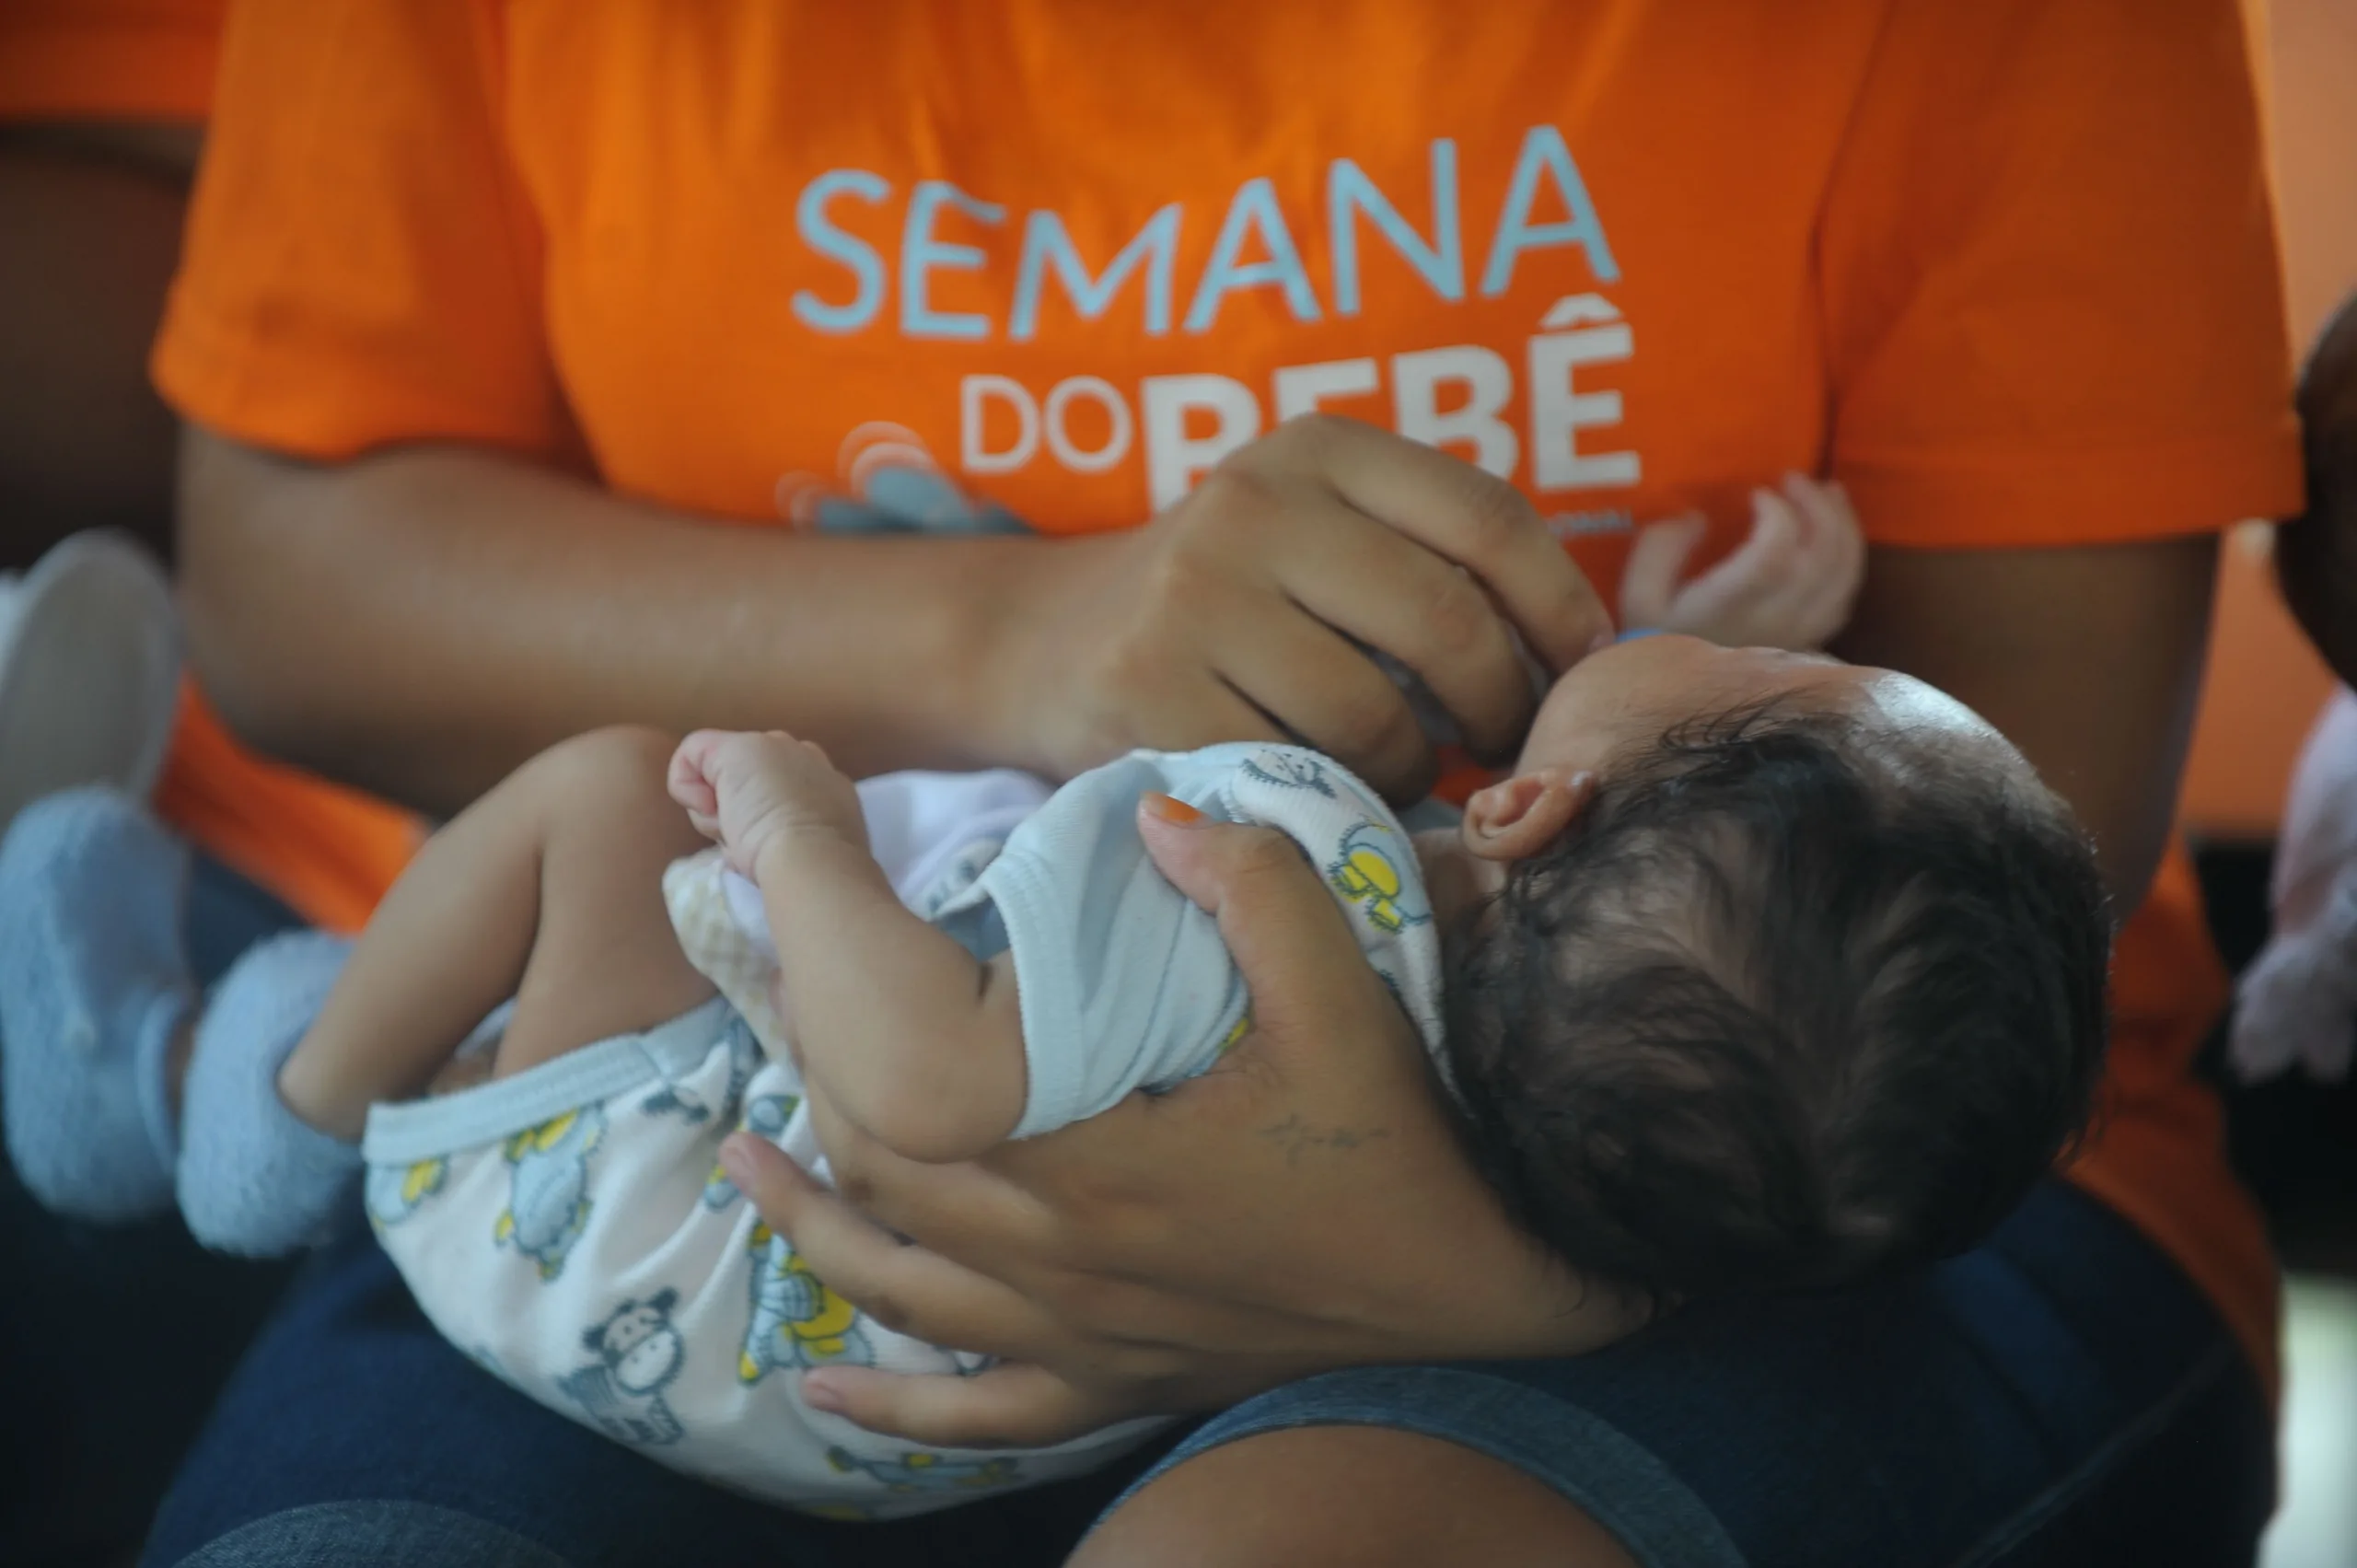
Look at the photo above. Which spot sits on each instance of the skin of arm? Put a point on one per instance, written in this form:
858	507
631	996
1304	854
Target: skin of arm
421	619
896	1028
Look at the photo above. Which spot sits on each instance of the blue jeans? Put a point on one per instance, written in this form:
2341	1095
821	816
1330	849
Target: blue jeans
2059	1396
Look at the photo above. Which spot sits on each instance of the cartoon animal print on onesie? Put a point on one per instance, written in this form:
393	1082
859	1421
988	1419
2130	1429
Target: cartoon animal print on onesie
548	1201
765	1114
743	1060
391	1193
796	1320
921	1471
1288	772
1366	872
639	1352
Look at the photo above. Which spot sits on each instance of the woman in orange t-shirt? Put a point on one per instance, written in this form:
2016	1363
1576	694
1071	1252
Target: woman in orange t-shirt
494	311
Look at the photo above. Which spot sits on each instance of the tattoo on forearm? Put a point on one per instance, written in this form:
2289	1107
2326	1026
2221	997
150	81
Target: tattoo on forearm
1297	1137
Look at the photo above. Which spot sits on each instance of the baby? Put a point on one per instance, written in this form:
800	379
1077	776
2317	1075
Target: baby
1760	971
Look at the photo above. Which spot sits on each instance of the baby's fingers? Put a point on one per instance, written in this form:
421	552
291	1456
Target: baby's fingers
1656	560
1778	548
1841	543
1722	602
689	779
1830	536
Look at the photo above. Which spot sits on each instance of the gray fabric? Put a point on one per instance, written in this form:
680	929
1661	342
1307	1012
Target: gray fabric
372	1535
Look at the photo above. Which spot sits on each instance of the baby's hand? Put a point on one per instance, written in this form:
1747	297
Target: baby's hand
746	790
1789	585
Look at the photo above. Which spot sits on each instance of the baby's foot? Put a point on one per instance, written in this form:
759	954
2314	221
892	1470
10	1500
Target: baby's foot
93	984
253	1177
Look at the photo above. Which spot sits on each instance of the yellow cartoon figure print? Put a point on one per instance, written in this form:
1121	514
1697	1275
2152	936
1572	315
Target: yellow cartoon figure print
796	1320
1367	873
921	1471
392	1193
765	1114
548	1195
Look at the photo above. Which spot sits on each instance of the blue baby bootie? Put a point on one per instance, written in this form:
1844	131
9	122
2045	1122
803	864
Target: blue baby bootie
93	982
254	1177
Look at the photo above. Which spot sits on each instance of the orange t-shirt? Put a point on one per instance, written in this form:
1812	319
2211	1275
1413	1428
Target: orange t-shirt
2005	269
108	59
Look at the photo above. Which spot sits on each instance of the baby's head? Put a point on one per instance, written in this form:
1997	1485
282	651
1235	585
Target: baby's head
1767	972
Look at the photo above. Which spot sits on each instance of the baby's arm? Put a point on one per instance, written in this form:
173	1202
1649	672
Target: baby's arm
902	1029
1789	585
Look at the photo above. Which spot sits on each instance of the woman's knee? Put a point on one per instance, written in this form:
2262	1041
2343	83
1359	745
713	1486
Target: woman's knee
1358	1494
376	1534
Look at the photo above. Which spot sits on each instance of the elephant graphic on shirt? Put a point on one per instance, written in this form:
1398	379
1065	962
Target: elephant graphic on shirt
547	1201
1366	873
639	1353
391	1193
796	1320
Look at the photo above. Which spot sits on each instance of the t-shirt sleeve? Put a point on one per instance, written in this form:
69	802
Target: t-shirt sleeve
361	264
2051	292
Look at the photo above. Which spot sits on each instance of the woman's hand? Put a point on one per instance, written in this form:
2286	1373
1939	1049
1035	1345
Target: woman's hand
1233	616
1301	1207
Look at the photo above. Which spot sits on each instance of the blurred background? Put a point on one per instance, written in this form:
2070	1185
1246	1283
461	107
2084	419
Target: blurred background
2295	1141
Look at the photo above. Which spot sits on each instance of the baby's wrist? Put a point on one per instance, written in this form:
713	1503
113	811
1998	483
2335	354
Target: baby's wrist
795	852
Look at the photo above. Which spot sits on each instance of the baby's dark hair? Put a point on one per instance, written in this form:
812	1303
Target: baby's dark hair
1793	1002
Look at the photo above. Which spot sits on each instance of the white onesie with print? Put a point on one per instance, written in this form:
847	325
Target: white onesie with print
569	1228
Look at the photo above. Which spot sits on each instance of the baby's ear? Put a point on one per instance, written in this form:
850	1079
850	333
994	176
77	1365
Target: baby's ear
1516	818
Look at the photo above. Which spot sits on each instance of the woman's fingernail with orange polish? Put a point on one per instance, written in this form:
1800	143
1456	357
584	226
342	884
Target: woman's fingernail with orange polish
1172	809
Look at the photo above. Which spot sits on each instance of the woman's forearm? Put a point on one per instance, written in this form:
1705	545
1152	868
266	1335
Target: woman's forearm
418	622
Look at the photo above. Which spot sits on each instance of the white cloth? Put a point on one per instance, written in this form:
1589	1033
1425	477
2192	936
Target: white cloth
569	1229
2297	1003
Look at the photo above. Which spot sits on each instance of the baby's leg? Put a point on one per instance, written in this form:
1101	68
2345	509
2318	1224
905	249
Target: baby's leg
548	889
